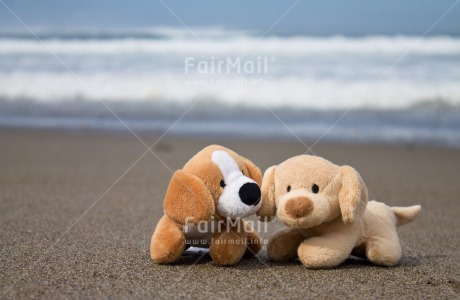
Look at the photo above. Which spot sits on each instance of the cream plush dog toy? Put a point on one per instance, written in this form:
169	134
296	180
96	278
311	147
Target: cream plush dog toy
204	205
328	214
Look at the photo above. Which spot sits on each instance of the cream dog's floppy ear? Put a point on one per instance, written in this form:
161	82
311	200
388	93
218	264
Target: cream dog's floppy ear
254	172
188	199
352	196
268	209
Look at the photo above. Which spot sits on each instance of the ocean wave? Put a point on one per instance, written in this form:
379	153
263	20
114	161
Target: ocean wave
238	45
288	92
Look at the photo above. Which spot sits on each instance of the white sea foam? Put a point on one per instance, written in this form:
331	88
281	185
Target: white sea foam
289	92
239	45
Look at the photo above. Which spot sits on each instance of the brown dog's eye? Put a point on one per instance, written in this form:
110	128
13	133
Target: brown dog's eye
222	183
315	188
288	188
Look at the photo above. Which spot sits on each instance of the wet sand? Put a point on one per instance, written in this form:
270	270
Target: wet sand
77	211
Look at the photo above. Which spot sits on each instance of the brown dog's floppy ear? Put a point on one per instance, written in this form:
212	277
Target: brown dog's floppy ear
188	199
352	196
268	209
254	172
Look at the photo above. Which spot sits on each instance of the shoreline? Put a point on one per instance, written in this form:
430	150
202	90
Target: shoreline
203	130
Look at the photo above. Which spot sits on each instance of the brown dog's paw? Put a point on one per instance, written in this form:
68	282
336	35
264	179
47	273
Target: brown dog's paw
168	242
227	249
254	244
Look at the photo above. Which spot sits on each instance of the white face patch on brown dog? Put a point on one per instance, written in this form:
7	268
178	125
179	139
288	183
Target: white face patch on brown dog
241	195
226	163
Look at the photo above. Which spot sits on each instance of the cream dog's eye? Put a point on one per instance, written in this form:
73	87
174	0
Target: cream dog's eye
288	188
222	183
315	188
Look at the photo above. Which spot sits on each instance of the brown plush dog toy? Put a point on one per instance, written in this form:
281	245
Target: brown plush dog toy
326	209
204	206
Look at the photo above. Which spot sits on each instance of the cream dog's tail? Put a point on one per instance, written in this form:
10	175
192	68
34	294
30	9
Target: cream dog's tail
405	215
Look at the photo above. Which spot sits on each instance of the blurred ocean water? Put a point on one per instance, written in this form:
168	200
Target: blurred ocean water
398	88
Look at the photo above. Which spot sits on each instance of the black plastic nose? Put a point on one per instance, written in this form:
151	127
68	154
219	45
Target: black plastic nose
250	193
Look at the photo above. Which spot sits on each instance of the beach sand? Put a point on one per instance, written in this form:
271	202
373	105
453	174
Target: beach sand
77	211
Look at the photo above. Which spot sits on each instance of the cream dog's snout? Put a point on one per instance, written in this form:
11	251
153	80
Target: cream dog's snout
299	206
